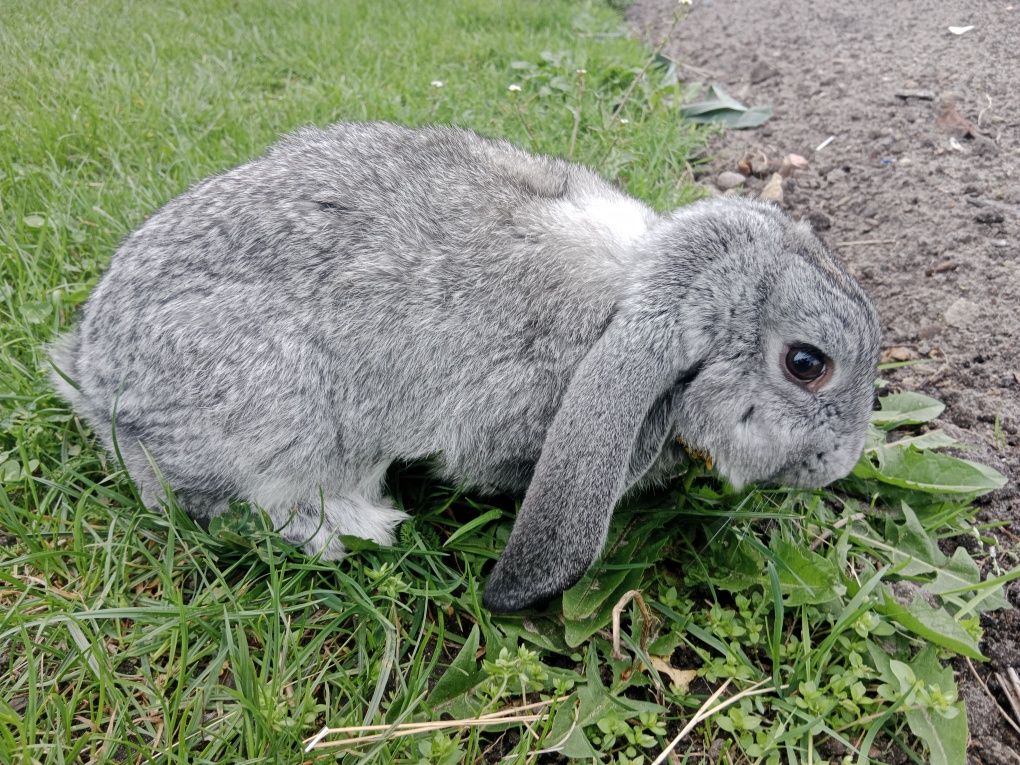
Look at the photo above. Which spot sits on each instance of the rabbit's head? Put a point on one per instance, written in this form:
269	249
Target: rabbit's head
783	340
764	349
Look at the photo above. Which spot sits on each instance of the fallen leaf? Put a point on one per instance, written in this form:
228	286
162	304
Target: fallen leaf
951	121
680	679
897	353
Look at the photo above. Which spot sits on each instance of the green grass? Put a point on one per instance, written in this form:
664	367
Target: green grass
133	636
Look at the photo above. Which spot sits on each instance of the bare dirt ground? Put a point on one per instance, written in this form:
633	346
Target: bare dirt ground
918	191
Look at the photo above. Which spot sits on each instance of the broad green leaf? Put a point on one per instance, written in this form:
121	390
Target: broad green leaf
540	631
931	473
732	118
907	408
576	631
955	573
716	99
734	567
240	526
805	576
600	581
720	107
588	605
904	675
912	552
358	544
474	523
567	736
36	312
932	624
933	439
752	118
10	471
462	675
945	737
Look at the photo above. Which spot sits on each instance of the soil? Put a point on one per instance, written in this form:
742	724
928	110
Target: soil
918	191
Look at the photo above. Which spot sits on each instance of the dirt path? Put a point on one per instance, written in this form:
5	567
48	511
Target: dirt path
918	190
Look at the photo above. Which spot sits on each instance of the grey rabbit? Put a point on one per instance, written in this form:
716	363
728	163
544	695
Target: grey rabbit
284	331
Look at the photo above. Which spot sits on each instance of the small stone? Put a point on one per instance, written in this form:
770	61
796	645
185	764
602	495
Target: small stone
729	180
792	163
962	313
773	190
943	266
762	71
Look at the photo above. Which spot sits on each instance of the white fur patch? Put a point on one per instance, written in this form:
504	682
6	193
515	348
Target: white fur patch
356	517
359	511
622	220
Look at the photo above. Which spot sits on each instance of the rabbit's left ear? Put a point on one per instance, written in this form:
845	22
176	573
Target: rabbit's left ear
582	472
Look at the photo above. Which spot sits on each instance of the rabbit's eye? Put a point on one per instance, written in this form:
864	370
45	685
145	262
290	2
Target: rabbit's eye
806	365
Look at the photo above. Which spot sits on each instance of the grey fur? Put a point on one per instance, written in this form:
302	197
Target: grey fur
284	331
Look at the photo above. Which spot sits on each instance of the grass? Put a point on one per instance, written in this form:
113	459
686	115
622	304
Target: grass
134	636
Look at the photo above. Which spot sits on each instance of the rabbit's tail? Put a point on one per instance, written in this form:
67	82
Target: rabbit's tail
63	353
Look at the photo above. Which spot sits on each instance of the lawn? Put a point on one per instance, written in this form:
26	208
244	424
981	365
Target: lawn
134	636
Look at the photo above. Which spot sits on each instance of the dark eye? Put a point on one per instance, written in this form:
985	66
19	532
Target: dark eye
805	363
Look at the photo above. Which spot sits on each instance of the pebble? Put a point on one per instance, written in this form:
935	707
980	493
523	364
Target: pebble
729	180
773	190
962	313
762	71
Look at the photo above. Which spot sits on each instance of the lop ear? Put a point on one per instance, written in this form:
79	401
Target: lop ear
582	472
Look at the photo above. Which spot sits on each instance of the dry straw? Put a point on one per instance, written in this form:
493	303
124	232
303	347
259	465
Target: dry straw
521	715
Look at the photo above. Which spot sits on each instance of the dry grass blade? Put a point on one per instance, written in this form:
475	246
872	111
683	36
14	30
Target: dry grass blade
377	733
826	533
707	710
1010	684
646	617
1013	695
863	242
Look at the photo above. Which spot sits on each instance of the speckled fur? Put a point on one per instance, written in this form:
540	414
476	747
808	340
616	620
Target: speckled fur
284	331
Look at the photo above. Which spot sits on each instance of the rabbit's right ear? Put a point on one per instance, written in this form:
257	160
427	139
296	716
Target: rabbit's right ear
581	474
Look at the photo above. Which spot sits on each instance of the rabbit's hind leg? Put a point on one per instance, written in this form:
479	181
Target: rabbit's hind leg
316	522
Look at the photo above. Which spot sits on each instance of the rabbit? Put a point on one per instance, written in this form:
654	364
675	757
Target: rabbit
282	332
